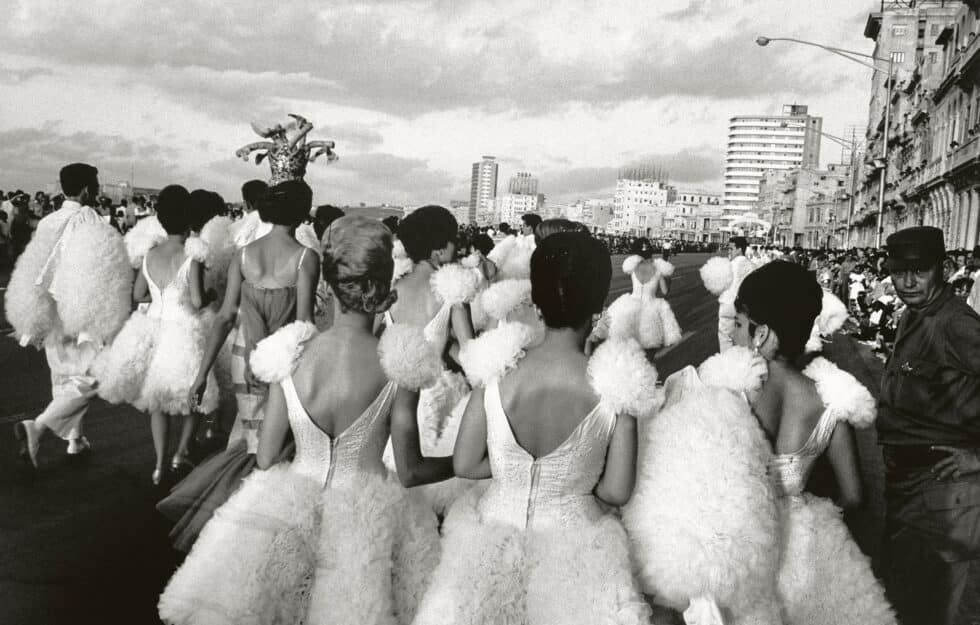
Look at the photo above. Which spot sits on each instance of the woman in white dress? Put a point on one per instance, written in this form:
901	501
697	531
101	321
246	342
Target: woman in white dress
541	545
432	298
152	361
330	537
807	412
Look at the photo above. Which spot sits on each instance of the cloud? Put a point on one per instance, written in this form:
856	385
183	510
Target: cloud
17	76
383	57
33	156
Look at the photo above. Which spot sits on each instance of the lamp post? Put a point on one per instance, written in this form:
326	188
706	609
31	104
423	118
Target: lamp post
850	56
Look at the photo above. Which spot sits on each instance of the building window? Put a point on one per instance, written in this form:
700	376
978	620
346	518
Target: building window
933	57
900	30
934	30
898	57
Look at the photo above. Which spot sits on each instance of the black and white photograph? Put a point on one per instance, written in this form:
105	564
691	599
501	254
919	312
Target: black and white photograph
473	312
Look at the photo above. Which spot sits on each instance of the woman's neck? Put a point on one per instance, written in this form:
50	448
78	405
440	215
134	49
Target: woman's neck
351	321
176	238
565	338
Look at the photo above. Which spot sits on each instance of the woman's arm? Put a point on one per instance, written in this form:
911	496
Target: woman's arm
224	321
462	324
197	284
141	290
616	484
470	457
309	277
274	428
413	468
843	456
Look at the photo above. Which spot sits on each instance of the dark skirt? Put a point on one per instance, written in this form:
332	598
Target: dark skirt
193	501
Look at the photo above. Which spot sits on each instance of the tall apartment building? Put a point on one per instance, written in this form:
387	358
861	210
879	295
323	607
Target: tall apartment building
639	189
483	189
509	207
932	46
523	183
786	198
758	143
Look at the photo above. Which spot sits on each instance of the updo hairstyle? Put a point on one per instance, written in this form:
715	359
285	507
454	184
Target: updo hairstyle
787	298
357	264
202	207
426	230
286	204
173	209
570	274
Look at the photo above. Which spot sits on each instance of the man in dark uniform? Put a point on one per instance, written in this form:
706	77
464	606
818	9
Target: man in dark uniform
929	429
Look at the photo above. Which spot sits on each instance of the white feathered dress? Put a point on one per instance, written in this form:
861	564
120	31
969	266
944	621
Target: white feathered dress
703	519
641	315
824	578
442	390
154	359
538	547
328	539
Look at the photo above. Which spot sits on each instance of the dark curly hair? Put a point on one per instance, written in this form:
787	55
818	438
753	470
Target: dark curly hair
570	275
426	230
173	209
357	264
787	298
203	206
286	204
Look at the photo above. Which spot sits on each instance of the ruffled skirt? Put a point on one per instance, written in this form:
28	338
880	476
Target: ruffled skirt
496	573
824	578
284	550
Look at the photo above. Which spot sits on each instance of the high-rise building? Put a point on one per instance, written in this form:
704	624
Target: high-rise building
483	188
758	143
511	206
639	189
523	183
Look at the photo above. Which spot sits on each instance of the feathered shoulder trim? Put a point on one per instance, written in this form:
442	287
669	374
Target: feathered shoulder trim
737	369
624	379
306	236
833	314
454	284
717	275
495	352
407	358
198	249
403	263
502	249
145	235
501	298
631	263
664	268
217	235
274	357
845	397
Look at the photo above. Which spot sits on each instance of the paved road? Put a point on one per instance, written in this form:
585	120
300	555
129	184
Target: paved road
82	543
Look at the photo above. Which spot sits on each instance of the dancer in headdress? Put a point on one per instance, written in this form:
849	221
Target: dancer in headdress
555	434
70	293
152	362
271	282
330	537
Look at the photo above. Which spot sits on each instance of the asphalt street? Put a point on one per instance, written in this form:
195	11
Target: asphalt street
81	542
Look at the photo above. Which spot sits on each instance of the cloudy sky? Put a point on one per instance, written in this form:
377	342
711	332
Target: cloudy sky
413	92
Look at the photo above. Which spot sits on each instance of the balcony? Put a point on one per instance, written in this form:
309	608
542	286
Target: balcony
965	154
969	57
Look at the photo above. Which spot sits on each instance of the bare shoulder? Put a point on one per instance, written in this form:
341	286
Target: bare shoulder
801	400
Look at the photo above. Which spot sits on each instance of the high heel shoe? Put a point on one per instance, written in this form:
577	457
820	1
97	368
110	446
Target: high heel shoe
181	461
157	476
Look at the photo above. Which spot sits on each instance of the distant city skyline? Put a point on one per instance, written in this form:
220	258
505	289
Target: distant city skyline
145	96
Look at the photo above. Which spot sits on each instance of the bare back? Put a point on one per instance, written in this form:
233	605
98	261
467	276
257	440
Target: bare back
416	304
788	408
272	262
163	262
337	378
546	398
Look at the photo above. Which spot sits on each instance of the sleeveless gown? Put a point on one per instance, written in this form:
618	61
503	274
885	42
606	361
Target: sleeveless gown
824	578
153	361
537	547
327	538
193	501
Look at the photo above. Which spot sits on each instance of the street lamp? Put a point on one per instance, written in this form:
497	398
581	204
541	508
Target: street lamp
850	56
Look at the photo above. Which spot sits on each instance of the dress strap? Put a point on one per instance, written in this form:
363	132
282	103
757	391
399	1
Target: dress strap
299	265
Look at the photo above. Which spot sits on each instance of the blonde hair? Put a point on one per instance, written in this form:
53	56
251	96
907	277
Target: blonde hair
357	264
